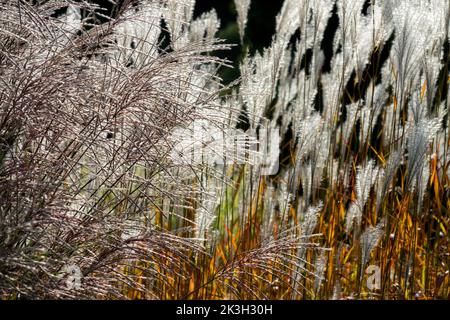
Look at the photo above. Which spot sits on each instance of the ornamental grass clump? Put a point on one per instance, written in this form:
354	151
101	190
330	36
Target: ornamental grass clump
130	170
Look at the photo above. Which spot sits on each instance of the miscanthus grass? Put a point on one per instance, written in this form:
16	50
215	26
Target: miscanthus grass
129	170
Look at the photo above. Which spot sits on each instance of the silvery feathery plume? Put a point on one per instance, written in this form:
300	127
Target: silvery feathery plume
422	183
231	108
337	291
203	82
442	110
259	78
310	219
331	96
354	213
221	143
274	57
440	146
205	27
255	87
242	8
137	35
319	157
311	172
387	79
391	114
73	19
287	92
387	175
269	206
365	179
213	140
432	66
363	33
349	12
178	15
421	133
418	142
319	267
407	43
349	124
369	240
306	94
334	172
307	225
194	143
292	13
310	16
307	131
317	64
205	214
420	29
306	91
306	181
366	115
318	13
285	116
284	198
289	84
375	98
419	113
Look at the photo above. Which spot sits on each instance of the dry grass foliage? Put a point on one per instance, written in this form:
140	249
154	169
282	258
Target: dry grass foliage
89	104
